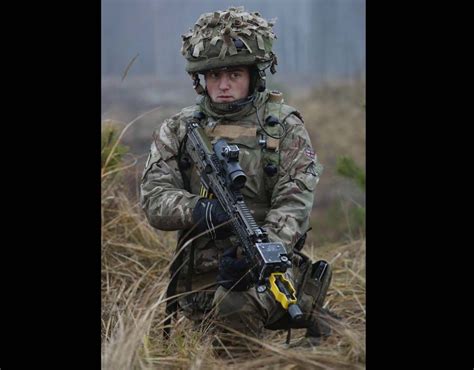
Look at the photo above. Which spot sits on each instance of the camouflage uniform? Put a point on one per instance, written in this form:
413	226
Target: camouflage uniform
280	202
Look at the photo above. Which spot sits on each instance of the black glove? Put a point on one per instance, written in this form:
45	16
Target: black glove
208	214
233	272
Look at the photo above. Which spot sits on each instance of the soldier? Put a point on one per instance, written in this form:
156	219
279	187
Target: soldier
232	49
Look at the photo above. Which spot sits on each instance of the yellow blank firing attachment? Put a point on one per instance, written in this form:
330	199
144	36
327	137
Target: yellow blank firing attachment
282	289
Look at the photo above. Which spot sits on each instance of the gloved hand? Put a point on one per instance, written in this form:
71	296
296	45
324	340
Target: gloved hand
233	271
208	214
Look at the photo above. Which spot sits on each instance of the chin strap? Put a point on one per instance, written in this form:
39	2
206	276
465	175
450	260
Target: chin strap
233	106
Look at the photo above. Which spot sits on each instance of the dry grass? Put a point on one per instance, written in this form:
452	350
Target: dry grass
135	260
335	119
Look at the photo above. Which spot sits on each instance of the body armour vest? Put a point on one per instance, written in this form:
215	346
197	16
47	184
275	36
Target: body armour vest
257	133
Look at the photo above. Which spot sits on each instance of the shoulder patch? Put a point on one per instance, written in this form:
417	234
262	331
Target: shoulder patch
309	152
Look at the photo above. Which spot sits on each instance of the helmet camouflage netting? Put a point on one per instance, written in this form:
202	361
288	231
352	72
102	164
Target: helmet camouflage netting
229	38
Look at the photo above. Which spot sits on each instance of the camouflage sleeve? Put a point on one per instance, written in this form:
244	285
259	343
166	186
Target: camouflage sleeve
292	197
166	204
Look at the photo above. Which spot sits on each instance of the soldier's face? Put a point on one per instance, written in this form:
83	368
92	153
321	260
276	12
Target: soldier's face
225	86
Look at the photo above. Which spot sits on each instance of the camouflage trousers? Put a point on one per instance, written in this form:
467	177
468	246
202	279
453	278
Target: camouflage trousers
252	311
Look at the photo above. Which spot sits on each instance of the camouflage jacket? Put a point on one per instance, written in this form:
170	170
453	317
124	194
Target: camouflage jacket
280	203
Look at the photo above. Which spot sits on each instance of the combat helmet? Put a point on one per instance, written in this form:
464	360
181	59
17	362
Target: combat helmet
228	38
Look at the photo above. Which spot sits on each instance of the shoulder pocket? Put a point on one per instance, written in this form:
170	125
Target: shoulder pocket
309	178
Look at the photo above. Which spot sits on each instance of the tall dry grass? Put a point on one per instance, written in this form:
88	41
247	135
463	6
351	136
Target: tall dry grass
135	260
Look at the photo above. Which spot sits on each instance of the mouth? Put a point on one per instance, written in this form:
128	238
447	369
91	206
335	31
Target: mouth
224	97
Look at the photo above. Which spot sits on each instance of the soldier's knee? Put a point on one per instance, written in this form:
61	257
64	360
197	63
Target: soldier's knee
314	288
242	311
227	302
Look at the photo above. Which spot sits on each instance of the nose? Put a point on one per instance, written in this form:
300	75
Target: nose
224	82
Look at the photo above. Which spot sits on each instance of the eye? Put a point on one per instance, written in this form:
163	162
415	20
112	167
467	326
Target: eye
235	75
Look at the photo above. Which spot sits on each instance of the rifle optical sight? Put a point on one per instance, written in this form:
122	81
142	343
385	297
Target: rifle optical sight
231	152
229	157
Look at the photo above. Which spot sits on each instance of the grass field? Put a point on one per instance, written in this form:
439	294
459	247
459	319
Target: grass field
134	276
135	260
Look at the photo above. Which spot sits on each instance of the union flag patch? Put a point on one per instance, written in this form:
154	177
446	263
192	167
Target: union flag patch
310	152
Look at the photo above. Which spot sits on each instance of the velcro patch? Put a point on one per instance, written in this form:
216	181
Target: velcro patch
231	131
310	152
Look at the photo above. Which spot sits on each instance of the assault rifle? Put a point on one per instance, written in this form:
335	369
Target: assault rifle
221	175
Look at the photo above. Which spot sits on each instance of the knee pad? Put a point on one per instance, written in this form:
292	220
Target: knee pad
319	281
314	288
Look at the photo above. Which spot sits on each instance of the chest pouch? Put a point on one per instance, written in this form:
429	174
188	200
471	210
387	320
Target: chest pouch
270	152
